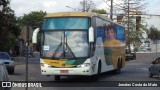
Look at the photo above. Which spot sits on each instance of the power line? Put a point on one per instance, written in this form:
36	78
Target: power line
111	15
148	14
137	14
107	3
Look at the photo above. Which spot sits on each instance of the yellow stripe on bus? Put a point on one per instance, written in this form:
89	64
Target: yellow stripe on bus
66	14
57	63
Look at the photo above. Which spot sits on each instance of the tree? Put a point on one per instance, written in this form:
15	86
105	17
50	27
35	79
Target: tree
34	19
133	21
134	35
87	5
128	11
100	11
7	27
154	34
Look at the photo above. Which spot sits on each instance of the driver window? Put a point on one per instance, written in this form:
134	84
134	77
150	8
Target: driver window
157	61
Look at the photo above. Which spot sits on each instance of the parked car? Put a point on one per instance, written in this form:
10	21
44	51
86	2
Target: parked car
130	55
145	49
4	76
8	62
154	69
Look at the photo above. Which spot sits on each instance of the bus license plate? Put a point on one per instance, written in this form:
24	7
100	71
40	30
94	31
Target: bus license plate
64	71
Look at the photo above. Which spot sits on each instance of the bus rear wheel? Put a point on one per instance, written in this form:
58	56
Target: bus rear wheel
57	77
119	66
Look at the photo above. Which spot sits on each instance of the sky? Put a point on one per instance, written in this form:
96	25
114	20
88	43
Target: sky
25	6
22	7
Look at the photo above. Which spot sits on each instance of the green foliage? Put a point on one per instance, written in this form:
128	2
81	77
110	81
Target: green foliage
154	34
8	27
10	40
34	19
100	11
7	42
132	35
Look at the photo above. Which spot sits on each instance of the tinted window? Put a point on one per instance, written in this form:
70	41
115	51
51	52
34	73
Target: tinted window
66	44
4	56
66	23
108	30
157	61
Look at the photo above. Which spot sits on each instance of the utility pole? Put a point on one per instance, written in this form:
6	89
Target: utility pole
128	15
128	22
111	10
84	5
27	44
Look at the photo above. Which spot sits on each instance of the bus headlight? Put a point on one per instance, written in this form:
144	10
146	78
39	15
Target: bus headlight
83	65
45	65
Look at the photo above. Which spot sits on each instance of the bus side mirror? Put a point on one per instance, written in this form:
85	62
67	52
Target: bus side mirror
91	34
34	37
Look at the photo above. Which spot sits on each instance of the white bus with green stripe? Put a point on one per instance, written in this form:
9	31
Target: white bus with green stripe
80	43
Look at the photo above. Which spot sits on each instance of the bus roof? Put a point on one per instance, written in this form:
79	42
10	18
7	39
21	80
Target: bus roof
67	14
78	14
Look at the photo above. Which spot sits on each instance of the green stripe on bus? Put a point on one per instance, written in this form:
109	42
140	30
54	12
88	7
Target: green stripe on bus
70	62
75	62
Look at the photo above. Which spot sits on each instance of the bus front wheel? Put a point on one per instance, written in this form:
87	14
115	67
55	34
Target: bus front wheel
99	70
97	75
99	67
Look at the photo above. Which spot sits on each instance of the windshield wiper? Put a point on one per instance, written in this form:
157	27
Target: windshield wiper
70	50
67	46
57	49
63	44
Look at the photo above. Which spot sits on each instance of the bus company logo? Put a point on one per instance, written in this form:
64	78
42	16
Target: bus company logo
54	62
6	84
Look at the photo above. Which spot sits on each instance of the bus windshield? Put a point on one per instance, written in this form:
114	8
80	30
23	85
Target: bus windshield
65	37
66	23
65	44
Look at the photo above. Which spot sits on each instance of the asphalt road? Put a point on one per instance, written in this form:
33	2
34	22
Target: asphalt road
135	70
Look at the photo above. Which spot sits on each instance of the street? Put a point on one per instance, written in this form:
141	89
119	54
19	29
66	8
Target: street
135	70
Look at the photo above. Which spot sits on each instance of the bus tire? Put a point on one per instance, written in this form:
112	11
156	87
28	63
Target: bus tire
150	75
99	69
57	77
96	76
119	66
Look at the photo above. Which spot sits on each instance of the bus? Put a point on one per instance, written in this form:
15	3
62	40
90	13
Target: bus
80	43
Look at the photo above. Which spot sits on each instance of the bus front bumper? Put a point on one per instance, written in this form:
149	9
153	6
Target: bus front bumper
85	71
